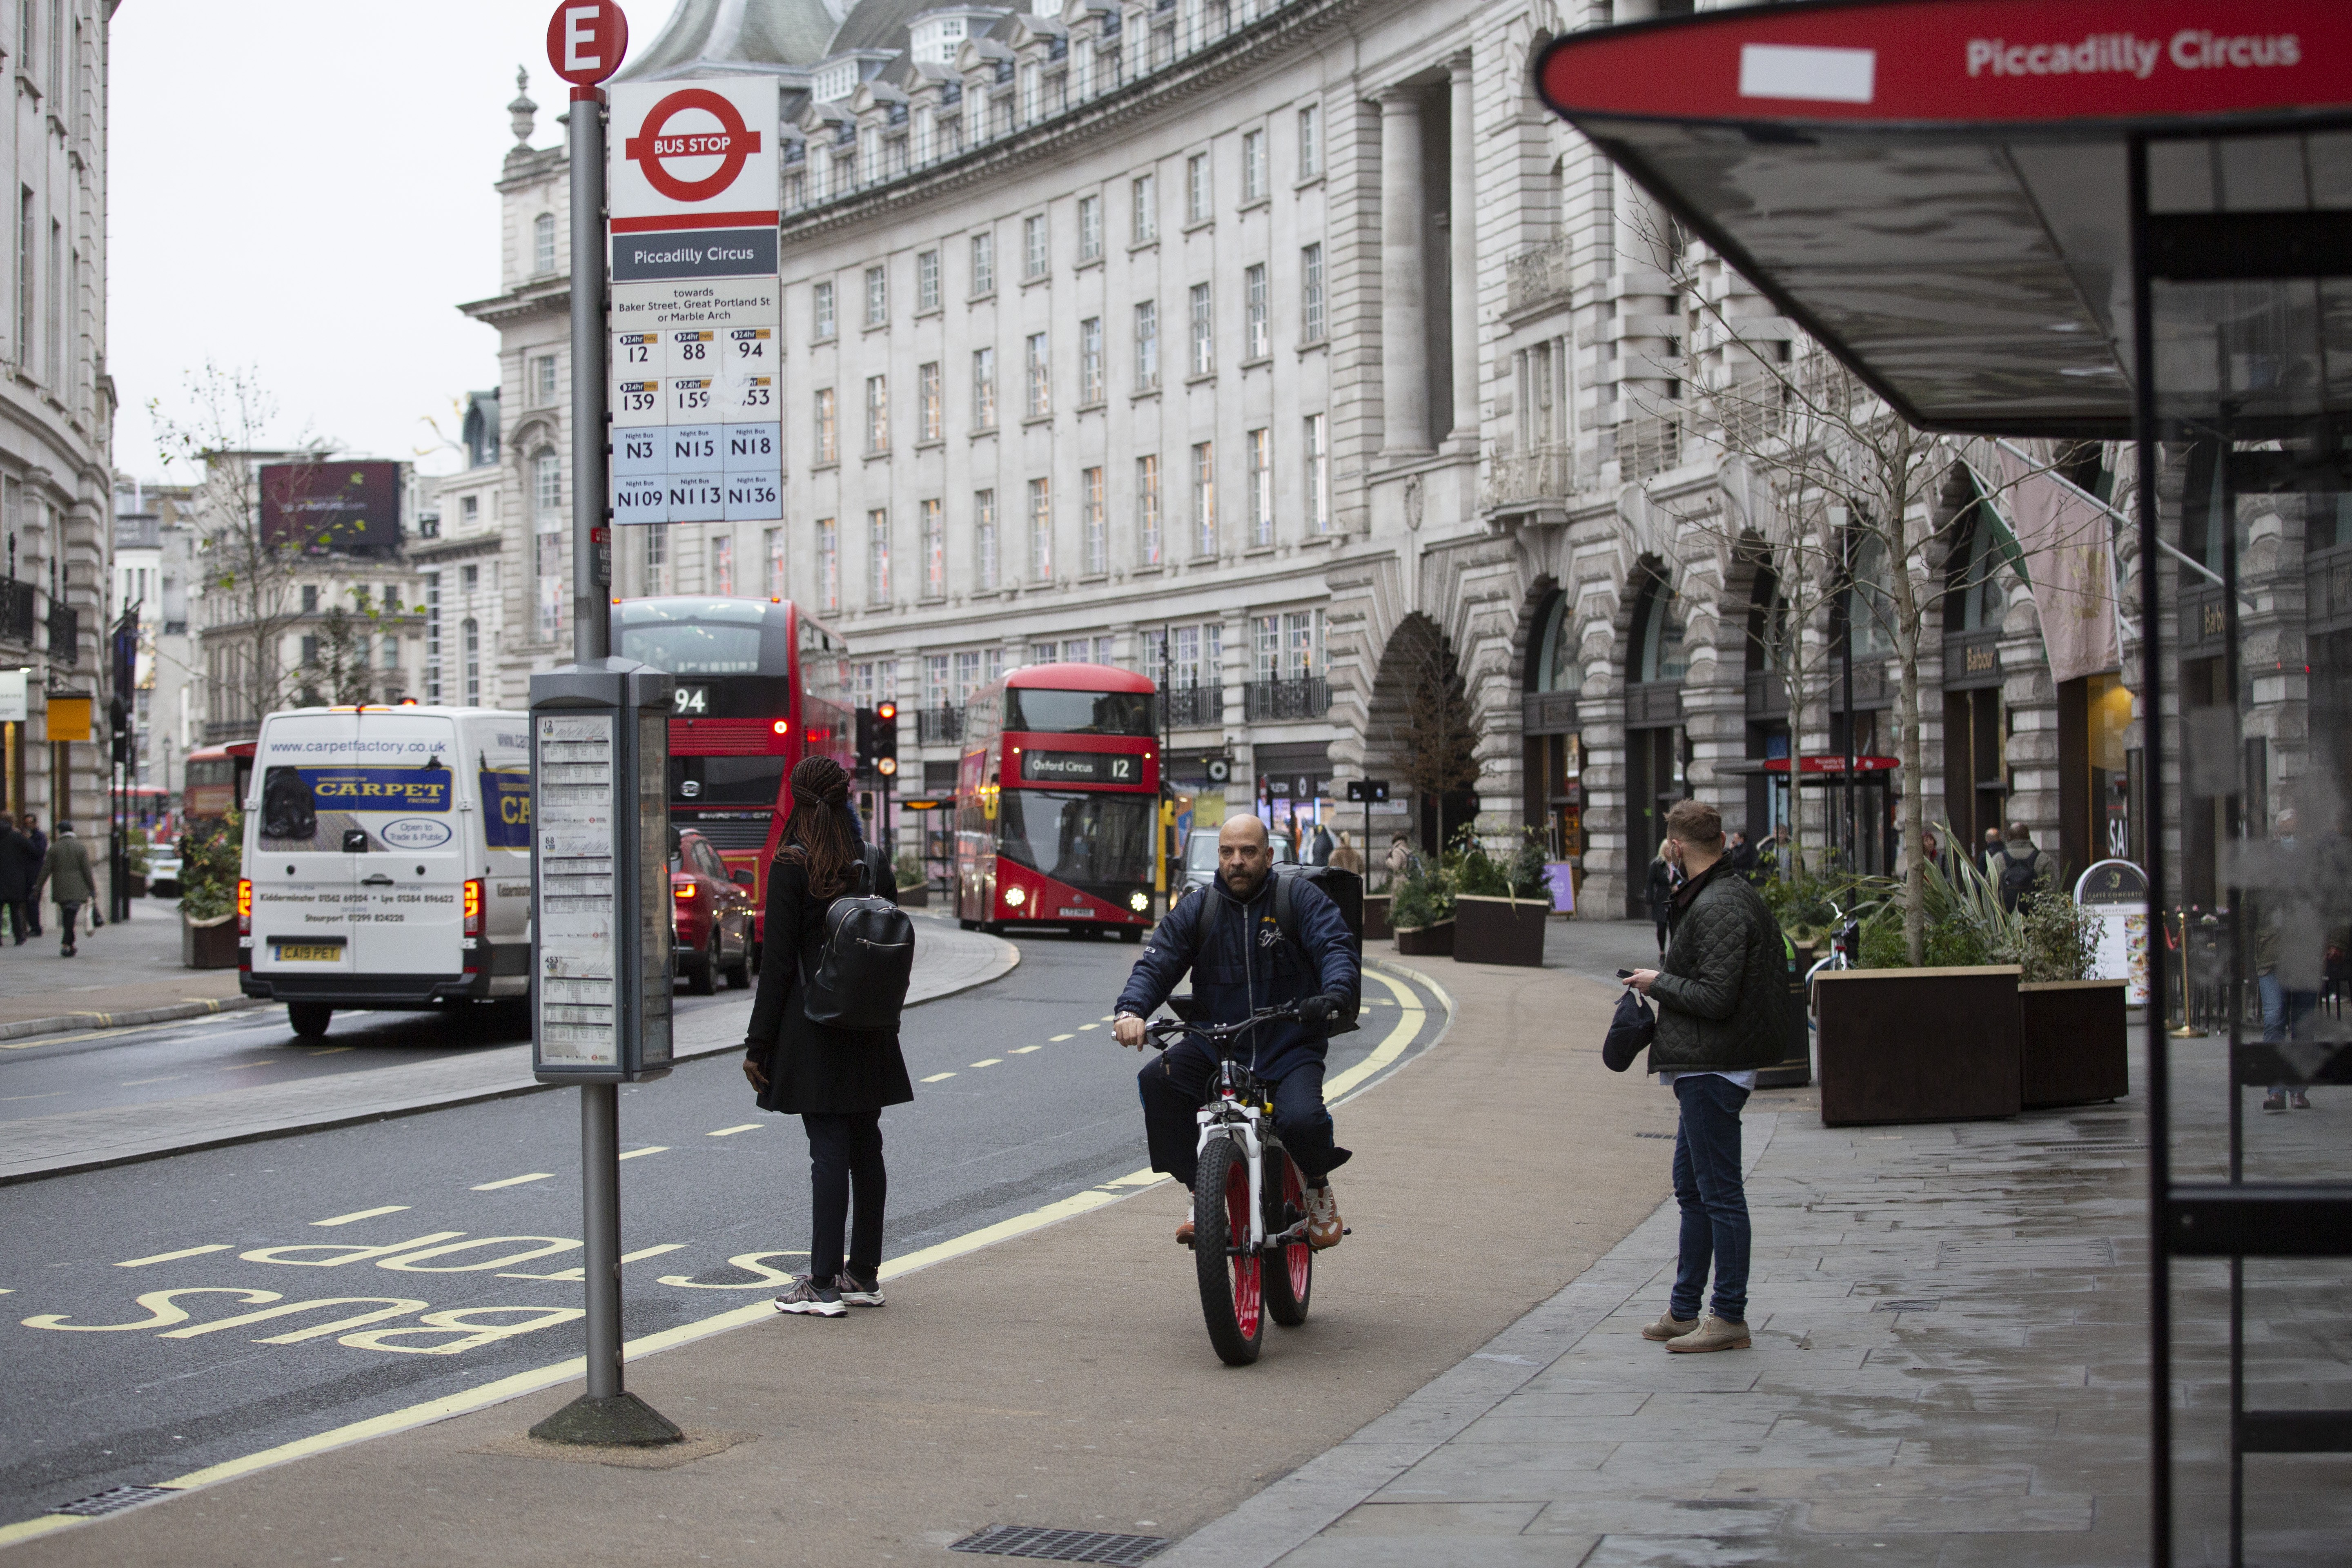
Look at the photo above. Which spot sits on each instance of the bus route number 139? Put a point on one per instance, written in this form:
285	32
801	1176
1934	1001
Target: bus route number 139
689	701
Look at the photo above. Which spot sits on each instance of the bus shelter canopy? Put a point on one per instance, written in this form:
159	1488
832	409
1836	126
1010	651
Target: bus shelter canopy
1940	191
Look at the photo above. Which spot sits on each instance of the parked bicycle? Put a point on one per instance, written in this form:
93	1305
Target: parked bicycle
1249	1204
1845	953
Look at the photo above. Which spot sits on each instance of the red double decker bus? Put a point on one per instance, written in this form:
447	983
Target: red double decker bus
214	780
760	685
1056	799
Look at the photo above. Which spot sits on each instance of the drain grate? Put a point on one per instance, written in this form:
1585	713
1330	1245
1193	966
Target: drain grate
1061	1545
1927	1306
114	1499
1667	1136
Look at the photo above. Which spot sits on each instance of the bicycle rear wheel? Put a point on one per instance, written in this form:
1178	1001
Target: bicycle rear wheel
1290	1272
1232	1282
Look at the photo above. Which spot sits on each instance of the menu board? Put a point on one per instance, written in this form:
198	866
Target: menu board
579	953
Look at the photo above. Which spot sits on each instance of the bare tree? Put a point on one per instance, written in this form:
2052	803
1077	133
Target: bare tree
1439	739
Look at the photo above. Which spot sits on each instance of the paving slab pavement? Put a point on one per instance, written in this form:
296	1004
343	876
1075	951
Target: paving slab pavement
129	973
1060	1378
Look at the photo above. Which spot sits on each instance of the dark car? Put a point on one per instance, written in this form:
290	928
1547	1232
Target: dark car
710	918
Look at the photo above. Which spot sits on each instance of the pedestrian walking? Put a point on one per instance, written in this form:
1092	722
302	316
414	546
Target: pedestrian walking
1989	857
66	871
1319	852
1399	860
2018	865
1665	876
2295	945
18	871
1346	857
1741	854
39	842
1719	1019
836	1080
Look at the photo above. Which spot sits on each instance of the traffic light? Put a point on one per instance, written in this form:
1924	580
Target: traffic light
886	739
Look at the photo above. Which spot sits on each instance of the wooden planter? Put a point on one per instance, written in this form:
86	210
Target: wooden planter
1796	1070
1488	929
1376	917
2071	1042
208	945
1917	1045
1425	941
917	895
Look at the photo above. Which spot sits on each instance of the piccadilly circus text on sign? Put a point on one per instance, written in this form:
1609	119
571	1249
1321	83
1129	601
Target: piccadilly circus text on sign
587	40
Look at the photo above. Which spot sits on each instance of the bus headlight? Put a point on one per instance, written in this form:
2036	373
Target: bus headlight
1016	897
1138	902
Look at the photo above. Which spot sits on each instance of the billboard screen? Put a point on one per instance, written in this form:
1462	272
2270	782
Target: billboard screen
331	506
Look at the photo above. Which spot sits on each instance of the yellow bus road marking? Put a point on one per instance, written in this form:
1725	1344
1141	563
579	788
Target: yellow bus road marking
240	1066
8	1099
989	1062
1058	1039
648	1148
1084	1028
1410	1016
625	1257
1025	1050
142	1082
358	1215
1138	1179
514	1181
328	1050
170	1256
77	1036
1109	1018
939	1078
738	1127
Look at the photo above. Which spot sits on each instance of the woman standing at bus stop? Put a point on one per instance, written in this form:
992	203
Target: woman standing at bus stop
836	1080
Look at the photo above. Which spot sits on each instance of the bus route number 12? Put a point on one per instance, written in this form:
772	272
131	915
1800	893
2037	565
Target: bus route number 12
689	703
1122	769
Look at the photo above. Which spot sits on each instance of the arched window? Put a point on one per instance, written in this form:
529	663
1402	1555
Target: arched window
542	244
1552	664
1658	637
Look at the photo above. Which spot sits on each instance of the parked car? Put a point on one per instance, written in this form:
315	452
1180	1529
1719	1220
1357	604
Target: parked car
1201	857
710	918
163	871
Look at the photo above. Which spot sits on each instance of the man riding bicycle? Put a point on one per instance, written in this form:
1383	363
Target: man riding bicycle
1241	959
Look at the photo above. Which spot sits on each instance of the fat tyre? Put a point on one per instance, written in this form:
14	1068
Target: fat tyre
308	1019
1289	1271
1232	1290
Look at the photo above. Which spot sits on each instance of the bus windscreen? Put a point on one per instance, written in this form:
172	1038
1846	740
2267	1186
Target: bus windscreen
726	781
1044	713
694	636
1092	839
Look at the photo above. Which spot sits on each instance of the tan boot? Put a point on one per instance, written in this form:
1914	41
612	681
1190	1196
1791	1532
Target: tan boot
1185	1231
1713	1333
1323	1226
1669	1327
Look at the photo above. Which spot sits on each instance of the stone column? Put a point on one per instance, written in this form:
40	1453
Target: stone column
1404	279
1462	219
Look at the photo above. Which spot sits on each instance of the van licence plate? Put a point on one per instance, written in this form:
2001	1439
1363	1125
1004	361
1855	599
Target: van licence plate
308	952
1080	913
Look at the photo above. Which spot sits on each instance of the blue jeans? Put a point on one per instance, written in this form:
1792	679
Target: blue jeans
2284	1012
1714	1199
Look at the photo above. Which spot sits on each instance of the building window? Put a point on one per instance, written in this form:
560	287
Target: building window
1252	165
1253	311
469	509
542	380
1310	141
1310	294
1041	530
1146	191
1041	386
1089	228
1204	332
25	258
472	632
984	389
1266	647
877	558
983	537
1033	99
983	264
828	444
542	244
935	550
935	681
1147	512
547	489
723	567
1318	477
433	636
1260	446
1095	523
828	564
657	558
1196	188
1146	346
775	541
877	297
1090	361
934	406
926	281
821	308
1033	247
1205	498
877	413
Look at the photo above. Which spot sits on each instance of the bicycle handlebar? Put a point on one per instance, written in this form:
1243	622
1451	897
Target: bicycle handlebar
1160	1031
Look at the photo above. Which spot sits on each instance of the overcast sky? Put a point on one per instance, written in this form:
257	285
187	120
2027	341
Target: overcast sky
305	190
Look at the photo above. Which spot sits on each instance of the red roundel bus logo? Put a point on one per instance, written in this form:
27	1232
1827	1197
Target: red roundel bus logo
731	144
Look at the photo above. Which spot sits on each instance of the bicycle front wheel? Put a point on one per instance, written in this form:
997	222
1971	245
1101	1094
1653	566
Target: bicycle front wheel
1232	1281
1289	1272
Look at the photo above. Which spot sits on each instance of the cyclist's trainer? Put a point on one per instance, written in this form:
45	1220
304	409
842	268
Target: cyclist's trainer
1246	962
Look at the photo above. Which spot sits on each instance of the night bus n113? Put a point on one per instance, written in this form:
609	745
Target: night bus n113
1057	797
760	685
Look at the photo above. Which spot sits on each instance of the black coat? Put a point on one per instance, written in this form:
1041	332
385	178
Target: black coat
1662	887
814	1066
18	866
1717	1009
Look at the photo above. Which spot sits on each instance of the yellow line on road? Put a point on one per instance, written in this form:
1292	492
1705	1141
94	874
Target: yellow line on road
989	1062
1058	1039
1025	1050
358	1215
1410	1016
939	1078
169	1256
738	1127
648	1148
1084	1028
514	1181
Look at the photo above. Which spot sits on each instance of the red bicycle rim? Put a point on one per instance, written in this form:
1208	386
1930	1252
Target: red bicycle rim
1249	1299
1298	1258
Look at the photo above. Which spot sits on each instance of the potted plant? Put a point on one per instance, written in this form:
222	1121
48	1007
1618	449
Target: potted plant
914	883
1500	905
1421	912
208	934
2072	1040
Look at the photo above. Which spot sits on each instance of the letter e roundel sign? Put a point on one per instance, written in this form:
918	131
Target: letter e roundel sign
587	40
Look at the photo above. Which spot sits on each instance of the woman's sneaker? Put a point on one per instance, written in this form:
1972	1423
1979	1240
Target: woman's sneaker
856	1292
811	1300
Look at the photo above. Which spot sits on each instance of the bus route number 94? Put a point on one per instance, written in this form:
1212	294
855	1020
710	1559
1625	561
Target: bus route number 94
689	701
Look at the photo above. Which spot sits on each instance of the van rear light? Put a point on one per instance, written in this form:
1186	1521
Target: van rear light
474	907
245	906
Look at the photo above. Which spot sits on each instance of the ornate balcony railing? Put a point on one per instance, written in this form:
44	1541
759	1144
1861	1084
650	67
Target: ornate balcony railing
1517	478
1648	444
17	613
1533	276
1195	706
1306	696
65	635
936	726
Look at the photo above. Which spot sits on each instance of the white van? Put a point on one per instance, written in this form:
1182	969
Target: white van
387	861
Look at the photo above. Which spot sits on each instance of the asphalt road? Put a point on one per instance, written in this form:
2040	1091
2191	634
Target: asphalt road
415	1257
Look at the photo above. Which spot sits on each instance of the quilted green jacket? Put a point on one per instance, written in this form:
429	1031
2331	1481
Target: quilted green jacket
1716	1006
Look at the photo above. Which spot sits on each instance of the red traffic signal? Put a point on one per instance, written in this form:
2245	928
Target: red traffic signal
885	710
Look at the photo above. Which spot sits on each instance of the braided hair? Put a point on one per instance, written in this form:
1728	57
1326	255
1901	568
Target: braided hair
821	835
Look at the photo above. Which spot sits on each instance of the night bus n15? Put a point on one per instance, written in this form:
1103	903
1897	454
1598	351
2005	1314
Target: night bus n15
1056	799
760	685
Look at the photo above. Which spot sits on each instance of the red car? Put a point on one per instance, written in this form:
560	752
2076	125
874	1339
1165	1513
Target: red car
710	918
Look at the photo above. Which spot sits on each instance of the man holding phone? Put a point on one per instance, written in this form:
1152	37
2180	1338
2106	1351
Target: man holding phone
1719	1021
